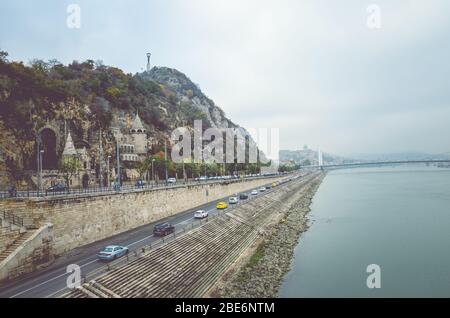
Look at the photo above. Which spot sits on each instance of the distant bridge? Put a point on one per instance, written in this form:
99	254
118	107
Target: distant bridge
375	163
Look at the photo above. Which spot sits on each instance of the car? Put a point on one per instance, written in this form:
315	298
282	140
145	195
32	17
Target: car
163	229
112	252
59	187
243	196
262	189
233	200
254	192
268	187
200	214
221	205
203	178
275	184
171	180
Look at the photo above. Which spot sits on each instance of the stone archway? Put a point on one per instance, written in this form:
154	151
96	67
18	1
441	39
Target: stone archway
85	181
49	143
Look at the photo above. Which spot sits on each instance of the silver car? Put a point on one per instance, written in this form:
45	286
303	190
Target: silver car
233	200
112	252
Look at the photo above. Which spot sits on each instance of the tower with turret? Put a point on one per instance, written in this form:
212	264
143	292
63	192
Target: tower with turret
139	135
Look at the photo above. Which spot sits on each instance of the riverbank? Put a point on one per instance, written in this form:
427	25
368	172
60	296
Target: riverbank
260	271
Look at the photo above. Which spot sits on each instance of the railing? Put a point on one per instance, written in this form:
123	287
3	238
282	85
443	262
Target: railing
12	218
138	253
123	188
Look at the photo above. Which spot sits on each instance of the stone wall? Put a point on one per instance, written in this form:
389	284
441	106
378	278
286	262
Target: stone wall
83	220
8	234
33	254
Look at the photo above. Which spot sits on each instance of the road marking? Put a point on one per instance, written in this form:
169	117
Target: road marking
95	260
145	238
47	281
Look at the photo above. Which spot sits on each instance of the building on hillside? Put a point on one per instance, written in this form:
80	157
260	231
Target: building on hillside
131	135
86	175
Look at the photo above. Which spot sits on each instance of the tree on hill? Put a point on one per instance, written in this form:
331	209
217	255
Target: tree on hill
69	167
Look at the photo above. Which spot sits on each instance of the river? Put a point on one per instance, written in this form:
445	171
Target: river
395	217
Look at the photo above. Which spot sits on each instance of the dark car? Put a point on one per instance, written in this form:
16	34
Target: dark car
243	196
163	229
59	187
268	187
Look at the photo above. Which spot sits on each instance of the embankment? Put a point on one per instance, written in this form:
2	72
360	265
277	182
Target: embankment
260	273
190	264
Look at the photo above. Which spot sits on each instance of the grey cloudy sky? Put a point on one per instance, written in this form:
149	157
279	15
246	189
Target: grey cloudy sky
311	68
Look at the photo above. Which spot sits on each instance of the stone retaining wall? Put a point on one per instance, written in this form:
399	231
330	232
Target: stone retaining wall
79	221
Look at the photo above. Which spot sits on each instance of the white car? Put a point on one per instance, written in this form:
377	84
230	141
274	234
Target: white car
201	214
262	189
254	192
110	253
171	180
233	200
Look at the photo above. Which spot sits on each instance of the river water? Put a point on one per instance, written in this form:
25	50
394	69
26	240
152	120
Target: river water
397	218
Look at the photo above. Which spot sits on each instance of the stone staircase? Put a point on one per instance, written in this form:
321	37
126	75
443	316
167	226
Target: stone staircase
8	233
16	244
12	233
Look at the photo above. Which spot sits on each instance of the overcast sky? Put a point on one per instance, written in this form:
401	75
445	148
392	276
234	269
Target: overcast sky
311	68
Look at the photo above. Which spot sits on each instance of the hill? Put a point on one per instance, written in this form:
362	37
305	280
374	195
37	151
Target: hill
84	97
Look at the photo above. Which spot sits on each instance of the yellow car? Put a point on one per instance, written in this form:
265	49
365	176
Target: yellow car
274	184
221	205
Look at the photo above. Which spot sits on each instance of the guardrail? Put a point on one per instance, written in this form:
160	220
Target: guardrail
122	189
12	218
138	253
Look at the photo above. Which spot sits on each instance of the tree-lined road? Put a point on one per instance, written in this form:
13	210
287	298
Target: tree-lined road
124	188
52	281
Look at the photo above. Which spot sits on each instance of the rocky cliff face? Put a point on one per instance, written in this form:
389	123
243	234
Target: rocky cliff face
190	97
190	94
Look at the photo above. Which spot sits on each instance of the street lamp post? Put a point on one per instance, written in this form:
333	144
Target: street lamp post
153	171
100	155
107	172
41	152
118	167
165	159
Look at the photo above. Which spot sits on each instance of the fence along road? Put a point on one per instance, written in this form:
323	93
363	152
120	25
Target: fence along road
189	263
124	188
52	281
